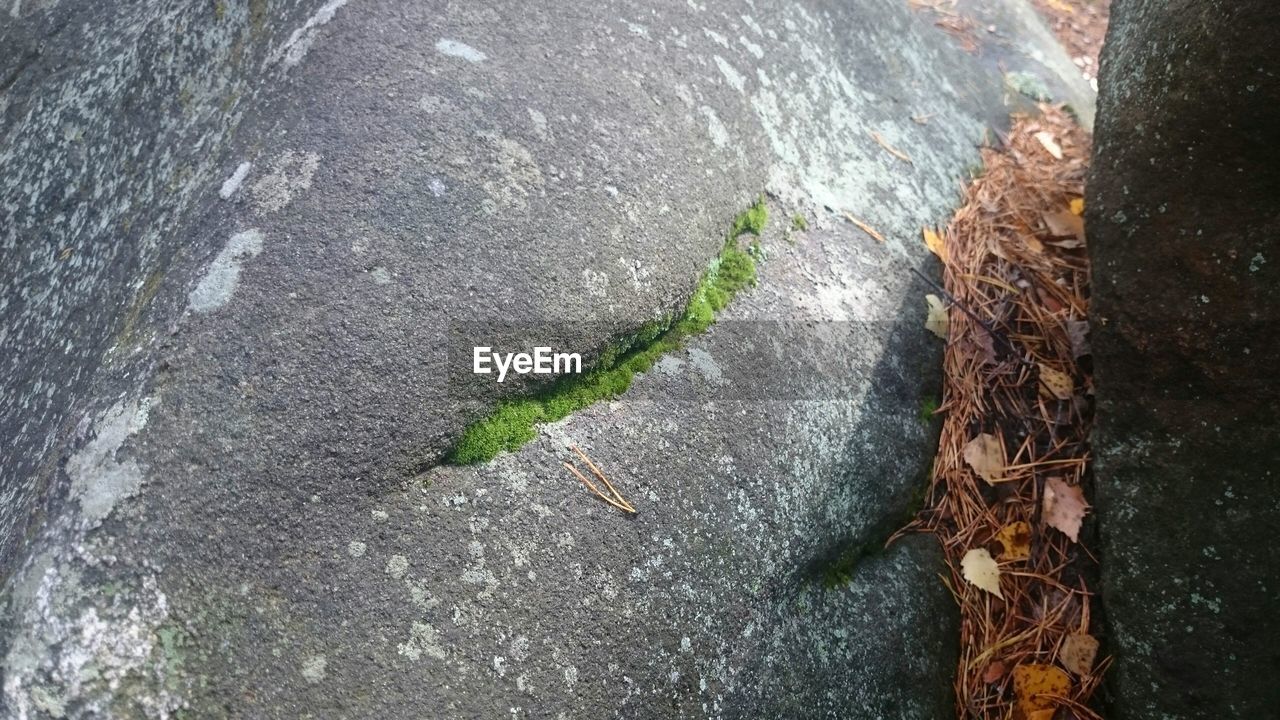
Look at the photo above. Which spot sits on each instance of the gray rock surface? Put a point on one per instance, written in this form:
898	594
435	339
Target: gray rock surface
239	236
1184	229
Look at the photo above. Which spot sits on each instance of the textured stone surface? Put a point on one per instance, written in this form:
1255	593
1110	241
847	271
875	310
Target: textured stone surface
1184	229
239	235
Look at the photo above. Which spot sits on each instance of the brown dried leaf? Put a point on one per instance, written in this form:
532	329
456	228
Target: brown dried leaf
1078	652
1064	507
993	673
985	455
1078	332
1032	682
984	345
1016	540
980	569
1056	383
1064	223
937	322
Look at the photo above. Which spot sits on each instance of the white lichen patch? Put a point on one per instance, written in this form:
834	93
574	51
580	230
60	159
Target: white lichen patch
299	43
423	640
315	668
75	647
731	74
707	366
232	183
716	129
98	479
222	277
397	566
290	174
356	549
454	48
512	176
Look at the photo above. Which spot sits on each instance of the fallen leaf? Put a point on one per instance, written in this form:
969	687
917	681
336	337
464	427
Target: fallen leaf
1046	139
985	455
1078	332
864	227
1032	682
1016	540
1077	206
937	323
1078	652
984	346
993	673
1055	382
934	242
1063	223
1064	507
980	569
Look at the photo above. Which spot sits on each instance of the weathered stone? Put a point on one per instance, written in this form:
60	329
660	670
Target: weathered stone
226	416
1184	230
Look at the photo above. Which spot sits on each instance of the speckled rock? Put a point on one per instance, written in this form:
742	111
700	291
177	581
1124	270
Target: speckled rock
235	240
1184	228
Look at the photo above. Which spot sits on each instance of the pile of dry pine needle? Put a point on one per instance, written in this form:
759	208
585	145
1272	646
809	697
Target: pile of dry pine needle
1006	496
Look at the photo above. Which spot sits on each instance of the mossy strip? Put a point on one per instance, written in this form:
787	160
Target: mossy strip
512	422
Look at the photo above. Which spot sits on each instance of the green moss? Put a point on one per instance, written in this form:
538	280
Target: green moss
798	222
927	410
752	221
512	423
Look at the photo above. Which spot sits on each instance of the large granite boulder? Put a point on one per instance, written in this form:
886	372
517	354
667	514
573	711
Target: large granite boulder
238	238
1184	229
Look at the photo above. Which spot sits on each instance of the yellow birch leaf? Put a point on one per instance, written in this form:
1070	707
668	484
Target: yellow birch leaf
1056	383
1064	507
933	241
1078	653
937	322
1077	206
1016	540
980	569
1031	683
986	456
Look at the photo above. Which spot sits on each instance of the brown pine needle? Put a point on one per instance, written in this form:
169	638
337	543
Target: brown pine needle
892	150
595	489
621	500
863	226
999	274
614	498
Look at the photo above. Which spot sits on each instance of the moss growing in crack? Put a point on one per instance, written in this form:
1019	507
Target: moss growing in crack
513	422
798	222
